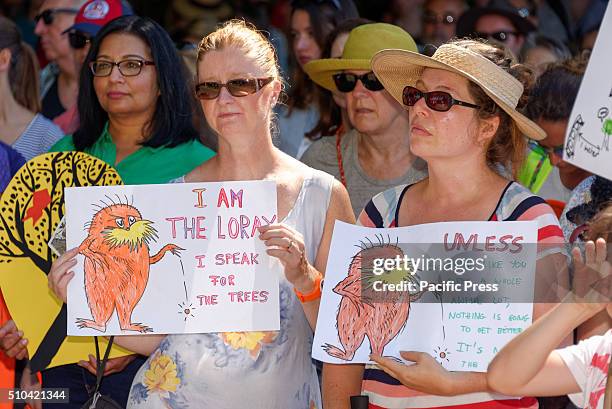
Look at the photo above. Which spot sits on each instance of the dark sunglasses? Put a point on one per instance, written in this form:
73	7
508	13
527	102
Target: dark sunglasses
346	82
49	14
237	88
437	100
433	18
501	36
78	40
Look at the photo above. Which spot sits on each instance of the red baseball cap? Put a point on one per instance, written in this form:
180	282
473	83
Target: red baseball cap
94	14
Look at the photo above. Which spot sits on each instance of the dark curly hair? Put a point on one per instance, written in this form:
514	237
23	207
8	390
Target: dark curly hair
171	124
555	90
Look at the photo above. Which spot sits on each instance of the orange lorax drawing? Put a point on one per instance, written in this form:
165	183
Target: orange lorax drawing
365	313
116	265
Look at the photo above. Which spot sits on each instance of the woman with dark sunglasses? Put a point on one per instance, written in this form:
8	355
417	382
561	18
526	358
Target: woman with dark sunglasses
305	117
360	158
463	107
238	86
135	112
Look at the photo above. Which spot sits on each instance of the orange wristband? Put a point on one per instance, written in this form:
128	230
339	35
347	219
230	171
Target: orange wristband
314	294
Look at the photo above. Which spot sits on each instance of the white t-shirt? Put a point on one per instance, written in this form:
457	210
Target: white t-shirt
588	362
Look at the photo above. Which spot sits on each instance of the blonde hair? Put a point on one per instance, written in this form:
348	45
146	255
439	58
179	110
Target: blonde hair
245	37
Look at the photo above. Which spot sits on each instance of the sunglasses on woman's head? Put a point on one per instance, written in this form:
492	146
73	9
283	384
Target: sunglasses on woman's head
49	14
78	40
437	100
238	88
346	82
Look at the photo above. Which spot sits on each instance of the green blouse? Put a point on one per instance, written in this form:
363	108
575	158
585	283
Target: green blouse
147	165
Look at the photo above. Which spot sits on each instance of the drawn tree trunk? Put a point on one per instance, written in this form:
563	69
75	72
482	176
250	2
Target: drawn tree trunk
30	210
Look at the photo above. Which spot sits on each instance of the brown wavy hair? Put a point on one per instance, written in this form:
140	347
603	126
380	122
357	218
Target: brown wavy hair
507	147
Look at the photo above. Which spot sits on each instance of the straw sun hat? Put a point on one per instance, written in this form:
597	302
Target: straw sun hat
397	68
362	43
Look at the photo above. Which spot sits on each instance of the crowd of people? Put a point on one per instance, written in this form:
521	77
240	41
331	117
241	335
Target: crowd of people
398	119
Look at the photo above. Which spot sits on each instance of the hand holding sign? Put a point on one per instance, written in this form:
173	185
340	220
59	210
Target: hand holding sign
287	245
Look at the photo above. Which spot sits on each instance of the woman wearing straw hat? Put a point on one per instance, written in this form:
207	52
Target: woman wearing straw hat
360	158
464	123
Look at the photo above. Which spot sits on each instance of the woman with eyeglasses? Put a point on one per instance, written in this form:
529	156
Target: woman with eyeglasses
361	158
464	122
135	112
21	124
238	85
306	116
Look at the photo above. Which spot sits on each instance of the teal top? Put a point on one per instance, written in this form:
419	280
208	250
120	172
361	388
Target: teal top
147	165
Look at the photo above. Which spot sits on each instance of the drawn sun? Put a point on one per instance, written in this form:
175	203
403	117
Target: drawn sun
186	310
441	354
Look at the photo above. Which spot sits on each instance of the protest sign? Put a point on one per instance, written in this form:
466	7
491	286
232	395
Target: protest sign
170	259
458	291
587	140
31	211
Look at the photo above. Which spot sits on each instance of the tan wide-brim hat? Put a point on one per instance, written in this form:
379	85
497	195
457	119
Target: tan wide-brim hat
361	45
396	69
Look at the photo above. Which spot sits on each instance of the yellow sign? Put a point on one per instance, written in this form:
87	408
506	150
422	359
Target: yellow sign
30	210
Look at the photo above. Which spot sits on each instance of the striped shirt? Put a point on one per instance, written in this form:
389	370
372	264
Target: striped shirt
515	204
38	138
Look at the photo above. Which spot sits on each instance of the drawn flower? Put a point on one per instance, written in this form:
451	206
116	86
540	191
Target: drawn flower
251	341
161	377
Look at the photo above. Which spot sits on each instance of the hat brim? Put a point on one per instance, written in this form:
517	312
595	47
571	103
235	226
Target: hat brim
396	69
467	21
321	71
87	28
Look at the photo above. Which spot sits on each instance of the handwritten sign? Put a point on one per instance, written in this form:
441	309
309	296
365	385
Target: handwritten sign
167	259
587	141
458	291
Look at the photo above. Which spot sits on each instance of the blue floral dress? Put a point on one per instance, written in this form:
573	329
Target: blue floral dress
267	370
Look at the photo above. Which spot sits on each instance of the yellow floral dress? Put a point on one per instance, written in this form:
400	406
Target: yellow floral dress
236	370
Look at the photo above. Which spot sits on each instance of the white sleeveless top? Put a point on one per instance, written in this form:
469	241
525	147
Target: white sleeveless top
267	370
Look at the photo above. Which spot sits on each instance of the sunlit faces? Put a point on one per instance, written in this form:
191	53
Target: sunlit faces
373	112
121	95
336	52
570	175
229	115
53	42
305	45
454	133
490	24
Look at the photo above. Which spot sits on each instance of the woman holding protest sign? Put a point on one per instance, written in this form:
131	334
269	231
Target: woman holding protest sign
239	87
463	105
135	114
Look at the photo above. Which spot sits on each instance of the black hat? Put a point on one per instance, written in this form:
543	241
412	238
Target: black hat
467	21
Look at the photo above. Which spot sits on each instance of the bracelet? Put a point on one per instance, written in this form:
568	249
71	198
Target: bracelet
315	293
